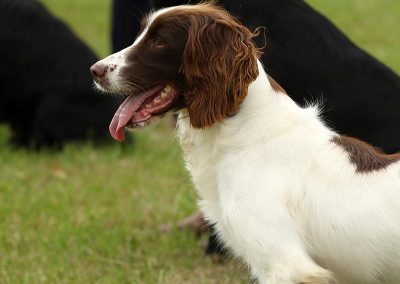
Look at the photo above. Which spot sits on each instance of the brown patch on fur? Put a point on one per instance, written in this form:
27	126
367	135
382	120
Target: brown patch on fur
365	157
275	85
219	63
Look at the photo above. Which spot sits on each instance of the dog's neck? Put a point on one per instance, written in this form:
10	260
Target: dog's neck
266	109
266	117
270	111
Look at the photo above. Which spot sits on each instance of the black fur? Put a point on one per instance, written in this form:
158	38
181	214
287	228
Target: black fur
47	97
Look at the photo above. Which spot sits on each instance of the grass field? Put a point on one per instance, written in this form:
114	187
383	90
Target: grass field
92	215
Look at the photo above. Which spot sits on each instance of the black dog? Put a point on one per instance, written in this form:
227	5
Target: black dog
47	96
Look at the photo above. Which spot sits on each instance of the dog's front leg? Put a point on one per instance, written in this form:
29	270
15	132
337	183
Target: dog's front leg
255	223
267	242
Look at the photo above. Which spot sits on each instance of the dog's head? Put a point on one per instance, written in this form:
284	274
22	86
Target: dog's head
192	56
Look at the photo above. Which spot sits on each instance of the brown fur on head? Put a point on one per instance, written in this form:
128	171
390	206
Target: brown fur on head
204	54
219	63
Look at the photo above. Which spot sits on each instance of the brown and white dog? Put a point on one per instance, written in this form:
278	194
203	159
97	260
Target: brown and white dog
296	201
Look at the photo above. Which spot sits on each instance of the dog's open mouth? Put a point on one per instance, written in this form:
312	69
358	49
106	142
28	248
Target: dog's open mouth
137	110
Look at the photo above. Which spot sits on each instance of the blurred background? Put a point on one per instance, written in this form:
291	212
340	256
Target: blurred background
91	214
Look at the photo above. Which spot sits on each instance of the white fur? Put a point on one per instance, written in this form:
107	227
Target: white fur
287	200
114	78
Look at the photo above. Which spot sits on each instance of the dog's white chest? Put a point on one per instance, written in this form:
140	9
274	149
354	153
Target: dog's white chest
200	154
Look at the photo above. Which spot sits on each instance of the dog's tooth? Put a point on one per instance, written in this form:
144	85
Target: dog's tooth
168	88
157	100
148	105
163	95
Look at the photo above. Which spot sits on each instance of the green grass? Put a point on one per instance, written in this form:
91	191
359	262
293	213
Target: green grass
89	19
92	215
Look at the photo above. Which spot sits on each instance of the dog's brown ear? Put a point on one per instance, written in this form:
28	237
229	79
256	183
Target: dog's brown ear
220	61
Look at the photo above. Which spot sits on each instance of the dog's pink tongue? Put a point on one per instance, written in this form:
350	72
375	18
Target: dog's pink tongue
126	111
122	117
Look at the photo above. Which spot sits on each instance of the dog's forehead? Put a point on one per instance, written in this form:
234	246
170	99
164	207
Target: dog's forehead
156	15
148	21
173	13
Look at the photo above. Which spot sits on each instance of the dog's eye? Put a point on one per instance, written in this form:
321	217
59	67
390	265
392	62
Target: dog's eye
157	42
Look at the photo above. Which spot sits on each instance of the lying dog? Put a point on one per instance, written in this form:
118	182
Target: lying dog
295	200
47	95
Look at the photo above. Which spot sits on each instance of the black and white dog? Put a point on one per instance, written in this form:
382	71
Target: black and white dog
47	97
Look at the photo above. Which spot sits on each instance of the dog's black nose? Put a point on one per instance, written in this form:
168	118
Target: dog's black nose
98	70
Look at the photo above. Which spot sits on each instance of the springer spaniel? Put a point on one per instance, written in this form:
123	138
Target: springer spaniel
308	64
296	201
